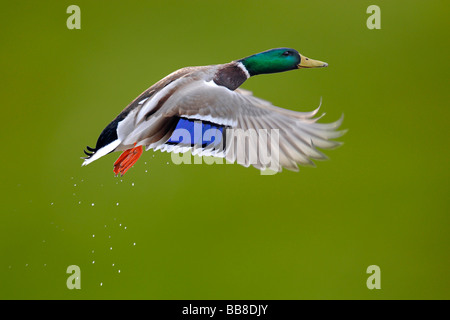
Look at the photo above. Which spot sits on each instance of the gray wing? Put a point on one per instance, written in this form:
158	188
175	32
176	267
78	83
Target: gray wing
258	133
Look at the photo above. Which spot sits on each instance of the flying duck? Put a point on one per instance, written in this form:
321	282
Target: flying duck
200	109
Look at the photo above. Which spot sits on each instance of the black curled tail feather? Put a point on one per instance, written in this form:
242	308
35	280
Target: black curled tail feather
89	154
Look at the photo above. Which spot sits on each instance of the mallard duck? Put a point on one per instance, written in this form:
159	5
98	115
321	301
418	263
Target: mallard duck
205	104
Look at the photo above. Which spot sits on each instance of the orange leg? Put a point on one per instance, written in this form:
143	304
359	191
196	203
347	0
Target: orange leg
126	160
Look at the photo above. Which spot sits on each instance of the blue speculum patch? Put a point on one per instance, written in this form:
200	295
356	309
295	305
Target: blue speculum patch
195	132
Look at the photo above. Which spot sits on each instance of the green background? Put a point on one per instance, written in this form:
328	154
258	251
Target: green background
225	231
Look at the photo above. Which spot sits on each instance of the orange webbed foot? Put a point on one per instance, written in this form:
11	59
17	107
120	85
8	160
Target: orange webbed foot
126	160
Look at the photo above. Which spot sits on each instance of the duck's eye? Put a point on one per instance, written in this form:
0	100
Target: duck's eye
286	53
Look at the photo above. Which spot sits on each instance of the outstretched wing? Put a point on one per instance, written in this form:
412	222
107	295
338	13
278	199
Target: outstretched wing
293	137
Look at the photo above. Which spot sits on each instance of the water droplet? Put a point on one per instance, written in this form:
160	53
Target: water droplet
93	261
119	271
132	184
101	284
110	248
117	204
93	204
93	236
134	243
125	228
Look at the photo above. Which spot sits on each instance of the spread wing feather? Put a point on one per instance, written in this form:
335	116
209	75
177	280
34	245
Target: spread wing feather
299	133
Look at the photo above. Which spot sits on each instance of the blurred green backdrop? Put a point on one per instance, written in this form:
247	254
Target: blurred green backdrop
224	231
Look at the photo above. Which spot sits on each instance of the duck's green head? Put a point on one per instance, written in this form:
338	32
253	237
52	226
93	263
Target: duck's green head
278	60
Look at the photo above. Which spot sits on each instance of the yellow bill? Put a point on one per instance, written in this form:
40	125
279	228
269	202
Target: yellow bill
311	63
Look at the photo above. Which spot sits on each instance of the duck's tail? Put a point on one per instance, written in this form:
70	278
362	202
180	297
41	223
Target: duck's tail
94	154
